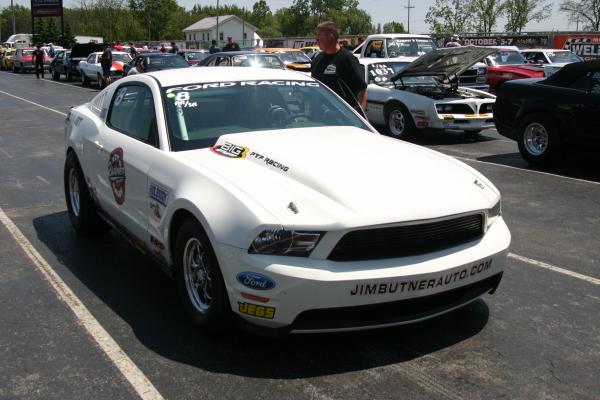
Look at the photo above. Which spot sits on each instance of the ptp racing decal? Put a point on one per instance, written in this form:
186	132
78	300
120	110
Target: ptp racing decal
256	310
255	280
116	174
422	284
230	150
269	161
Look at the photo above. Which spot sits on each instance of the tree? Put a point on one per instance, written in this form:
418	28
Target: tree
22	20
520	12
67	39
487	13
41	32
450	16
260	12
586	11
393	27
52	33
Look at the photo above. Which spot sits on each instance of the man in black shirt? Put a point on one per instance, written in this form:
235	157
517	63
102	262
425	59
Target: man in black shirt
337	68
38	60
213	48
231	45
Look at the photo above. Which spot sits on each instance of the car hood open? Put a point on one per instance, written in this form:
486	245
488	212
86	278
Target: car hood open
82	50
343	175
446	63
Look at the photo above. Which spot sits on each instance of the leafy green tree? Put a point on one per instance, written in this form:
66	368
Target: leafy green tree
41	31
260	12
487	13
450	16
521	12
22	20
67	39
52	33
586	11
393	27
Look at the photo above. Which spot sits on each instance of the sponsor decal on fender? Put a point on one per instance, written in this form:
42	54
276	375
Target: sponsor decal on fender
230	150
256	311
362	289
116	174
255	280
159	194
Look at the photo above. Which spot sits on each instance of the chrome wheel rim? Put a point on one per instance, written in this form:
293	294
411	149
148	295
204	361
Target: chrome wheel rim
74	192
396	122
535	138
198	281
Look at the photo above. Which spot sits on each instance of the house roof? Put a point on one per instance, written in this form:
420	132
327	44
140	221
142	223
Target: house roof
210	22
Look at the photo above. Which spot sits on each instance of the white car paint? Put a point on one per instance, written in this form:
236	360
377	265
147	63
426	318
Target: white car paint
546	56
340	179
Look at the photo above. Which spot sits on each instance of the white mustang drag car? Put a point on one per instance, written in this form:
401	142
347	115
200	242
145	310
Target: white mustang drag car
267	198
91	70
406	97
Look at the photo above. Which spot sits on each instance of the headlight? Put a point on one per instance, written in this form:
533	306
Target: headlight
443	108
494	212
279	241
481	71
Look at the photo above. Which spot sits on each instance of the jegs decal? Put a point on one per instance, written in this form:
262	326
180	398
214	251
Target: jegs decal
116	174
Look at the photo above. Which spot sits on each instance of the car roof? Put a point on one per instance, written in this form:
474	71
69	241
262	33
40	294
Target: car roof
184	76
158	54
367	61
397	35
275	49
193	51
546	50
572	71
242	53
112	52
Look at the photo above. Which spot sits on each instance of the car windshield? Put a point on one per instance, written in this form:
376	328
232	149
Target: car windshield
380	74
165	62
562	57
121	57
294	57
507	57
27	52
397	47
262	61
196	55
198	114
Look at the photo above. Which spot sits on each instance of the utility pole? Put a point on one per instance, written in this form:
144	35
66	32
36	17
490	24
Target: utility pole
408	8
12	6
577	22
218	40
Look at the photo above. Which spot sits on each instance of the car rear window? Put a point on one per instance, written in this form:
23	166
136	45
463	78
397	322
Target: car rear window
198	114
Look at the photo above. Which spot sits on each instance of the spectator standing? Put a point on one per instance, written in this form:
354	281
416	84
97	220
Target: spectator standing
162	48
338	69
454	41
174	48
118	46
106	64
52	50
231	45
138	69
38	60
213	48
132	50
258	46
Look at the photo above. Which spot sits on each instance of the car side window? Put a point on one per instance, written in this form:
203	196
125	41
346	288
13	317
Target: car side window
90	59
595	82
374	49
132	113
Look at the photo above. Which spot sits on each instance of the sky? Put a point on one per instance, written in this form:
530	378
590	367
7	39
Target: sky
381	11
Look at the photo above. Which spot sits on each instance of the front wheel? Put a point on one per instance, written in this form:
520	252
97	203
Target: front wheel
399	122
80	207
539	140
198	278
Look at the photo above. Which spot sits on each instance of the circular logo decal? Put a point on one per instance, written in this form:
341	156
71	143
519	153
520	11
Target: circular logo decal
116	174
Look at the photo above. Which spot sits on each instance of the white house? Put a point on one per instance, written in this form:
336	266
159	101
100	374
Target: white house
200	34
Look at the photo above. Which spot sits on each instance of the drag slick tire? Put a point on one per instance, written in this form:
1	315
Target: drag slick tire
199	280
539	139
398	121
80	206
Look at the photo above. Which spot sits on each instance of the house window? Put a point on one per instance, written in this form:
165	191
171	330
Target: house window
245	35
220	35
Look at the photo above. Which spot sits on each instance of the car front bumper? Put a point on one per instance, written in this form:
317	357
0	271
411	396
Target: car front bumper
316	295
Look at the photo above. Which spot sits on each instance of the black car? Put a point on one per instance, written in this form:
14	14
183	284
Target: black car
242	59
549	116
67	63
156	62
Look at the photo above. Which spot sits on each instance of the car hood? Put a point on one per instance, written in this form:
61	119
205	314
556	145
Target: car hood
83	50
447	63
344	176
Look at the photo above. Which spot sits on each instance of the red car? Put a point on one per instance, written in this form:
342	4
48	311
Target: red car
22	60
508	64
193	57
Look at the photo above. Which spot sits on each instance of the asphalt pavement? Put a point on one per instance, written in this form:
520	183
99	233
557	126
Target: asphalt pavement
538	337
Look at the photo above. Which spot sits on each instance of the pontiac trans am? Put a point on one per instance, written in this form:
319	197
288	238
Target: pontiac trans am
266	198
409	96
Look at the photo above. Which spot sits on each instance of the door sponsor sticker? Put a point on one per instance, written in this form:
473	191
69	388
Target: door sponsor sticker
116	174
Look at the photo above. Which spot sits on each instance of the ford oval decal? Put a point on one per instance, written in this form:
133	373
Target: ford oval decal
256	281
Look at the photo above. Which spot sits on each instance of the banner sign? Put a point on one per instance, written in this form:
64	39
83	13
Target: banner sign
46	8
521	41
585	46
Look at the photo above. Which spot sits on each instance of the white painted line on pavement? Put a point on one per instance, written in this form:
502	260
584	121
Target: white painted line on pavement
144	388
41	178
523	169
541	264
34	103
53	81
6	153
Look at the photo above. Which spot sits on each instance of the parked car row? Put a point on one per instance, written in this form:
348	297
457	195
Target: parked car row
20	60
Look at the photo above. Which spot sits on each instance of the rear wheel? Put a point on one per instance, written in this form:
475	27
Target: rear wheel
84	80
539	140
198	278
80	207
398	120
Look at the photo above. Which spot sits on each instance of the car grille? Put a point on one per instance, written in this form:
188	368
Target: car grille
486	108
407	240
397	312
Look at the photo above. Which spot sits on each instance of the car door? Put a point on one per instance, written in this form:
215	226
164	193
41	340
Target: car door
585	126
126	146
